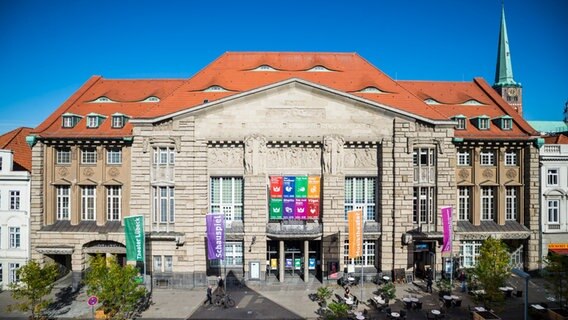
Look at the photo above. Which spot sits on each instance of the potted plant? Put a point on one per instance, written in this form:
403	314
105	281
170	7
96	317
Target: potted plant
338	310
388	291
444	287
322	295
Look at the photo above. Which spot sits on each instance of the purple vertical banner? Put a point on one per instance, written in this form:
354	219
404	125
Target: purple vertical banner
301	209
289	208
289	187
447	224
215	236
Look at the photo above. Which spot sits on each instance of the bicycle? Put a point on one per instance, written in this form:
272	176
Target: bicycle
224	299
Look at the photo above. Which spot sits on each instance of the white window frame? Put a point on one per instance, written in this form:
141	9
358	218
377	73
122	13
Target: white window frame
15	199
114	203
507	124
510	158
168	263
511	203
117	121
63	156
369	254
552	176
15	237
227	197
157	264
63	202
487	203
553	211
464	203
164	155
487	158
483	123
423	205
164	204
92	121
13	272
469	253
361	193
88	203
114	155
464	158
233	255
461	123
68	122
89	155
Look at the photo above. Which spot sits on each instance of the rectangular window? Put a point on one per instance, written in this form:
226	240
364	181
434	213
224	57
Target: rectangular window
424	160
164	155
68	122
117	121
360	193
164	204
552	177
88	203
157	263
469	253
368	258
14	200
233	255
511	203
461	123
13	272
507	124
511	158
227	197
92	121
114	155
463	203
168	263
463	158
487	203
553	211
423	205
1	273
63	156
487	158
114	203
63	203
14	237
89	155
483	123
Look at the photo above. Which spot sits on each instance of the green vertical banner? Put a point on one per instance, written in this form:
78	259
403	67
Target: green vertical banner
276	208
302	187
134	233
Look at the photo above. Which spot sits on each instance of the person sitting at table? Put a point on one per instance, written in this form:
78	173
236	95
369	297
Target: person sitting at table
347	293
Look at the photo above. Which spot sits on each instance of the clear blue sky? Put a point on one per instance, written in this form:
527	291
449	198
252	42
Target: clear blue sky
50	48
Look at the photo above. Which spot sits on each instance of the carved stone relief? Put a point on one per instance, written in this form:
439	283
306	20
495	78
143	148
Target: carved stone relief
63	171
511	174
487	173
113	172
360	157
294	157
463	174
88	172
225	157
255	154
333	154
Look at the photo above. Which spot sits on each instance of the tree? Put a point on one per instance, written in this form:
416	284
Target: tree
556	272
35	283
492	270
115	286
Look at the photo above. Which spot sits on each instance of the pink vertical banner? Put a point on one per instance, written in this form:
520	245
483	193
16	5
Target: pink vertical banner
447	224
301	209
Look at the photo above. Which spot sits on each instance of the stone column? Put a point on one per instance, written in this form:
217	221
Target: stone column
281	261
306	259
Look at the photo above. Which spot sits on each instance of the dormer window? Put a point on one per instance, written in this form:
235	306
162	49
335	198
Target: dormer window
371	90
151	99
94	120
70	120
215	89
472	102
483	122
102	99
319	69
431	101
505	122
118	120
461	122
264	67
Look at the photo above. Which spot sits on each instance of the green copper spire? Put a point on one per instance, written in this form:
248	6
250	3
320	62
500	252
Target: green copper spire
504	72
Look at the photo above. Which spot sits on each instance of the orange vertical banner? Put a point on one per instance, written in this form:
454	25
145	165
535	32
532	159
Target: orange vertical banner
313	187
355	221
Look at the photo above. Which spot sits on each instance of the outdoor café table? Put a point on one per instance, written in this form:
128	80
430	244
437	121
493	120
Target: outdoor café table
349	302
351	279
414	300
506	290
454	297
447	301
479	309
386	278
360	317
395	314
538	307
407	302
435	312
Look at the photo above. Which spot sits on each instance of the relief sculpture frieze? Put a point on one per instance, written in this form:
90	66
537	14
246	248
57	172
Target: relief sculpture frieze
225	157
361	157
294	157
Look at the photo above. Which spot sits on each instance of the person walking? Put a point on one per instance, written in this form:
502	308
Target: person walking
429	284
221	284
209	296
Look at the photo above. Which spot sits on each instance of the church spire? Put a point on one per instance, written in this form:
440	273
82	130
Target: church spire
505	85
504	72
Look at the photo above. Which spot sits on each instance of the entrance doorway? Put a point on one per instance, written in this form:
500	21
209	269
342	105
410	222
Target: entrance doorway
424	259
294	259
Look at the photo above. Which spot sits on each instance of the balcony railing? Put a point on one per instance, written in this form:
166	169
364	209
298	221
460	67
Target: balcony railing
294	227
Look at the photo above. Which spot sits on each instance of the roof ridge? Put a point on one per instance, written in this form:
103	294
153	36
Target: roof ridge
14	133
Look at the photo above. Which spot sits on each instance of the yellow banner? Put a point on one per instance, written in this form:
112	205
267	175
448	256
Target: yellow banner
273	263
313	187
558	246
355	221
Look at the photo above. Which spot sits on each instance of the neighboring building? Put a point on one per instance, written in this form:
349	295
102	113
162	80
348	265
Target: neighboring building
15	167
554	191
227	138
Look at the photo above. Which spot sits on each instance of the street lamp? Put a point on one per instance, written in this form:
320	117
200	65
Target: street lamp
525	276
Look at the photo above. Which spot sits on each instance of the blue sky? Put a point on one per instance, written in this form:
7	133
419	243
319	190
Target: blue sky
50	48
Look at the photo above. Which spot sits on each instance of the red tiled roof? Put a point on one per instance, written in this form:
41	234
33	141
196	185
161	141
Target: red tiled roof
348	73
561	138
15	140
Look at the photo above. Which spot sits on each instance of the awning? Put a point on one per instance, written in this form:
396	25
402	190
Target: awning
563	251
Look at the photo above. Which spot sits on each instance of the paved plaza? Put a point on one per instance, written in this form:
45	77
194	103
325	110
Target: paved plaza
282	301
